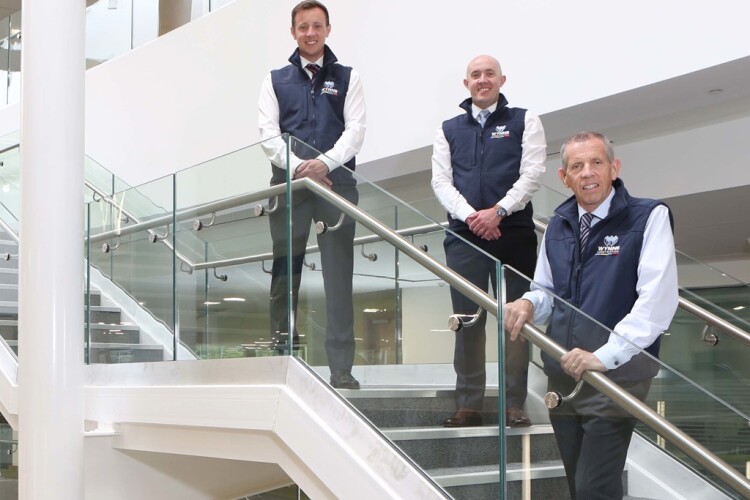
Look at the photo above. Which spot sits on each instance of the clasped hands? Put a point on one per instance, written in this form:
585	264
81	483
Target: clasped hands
316	170
485	223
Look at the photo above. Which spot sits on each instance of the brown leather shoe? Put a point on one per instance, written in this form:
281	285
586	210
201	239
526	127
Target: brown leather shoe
516	417
464	417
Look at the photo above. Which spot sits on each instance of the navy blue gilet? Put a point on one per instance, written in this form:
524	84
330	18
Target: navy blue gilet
486	162
600	281
313	112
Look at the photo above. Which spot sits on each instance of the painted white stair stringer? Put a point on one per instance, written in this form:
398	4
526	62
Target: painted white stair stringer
270	410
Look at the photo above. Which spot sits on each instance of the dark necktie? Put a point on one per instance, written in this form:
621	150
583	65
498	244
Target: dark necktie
585	229
313	68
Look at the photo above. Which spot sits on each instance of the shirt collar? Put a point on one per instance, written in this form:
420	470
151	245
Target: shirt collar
602	210
476	109
305	62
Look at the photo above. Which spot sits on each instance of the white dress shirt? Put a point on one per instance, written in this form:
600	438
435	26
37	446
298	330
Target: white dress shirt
534	153
346	147
656	288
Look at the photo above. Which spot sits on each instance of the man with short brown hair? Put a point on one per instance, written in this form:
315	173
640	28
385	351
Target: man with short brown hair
320	102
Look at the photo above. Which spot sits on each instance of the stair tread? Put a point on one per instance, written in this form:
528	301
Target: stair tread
95	326
380	392
410	433
482	474
116	345
107	345
113	326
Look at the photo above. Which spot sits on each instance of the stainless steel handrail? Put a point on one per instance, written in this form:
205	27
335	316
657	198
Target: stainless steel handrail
232	202
107	199
361	240
597	380
691	308
642	412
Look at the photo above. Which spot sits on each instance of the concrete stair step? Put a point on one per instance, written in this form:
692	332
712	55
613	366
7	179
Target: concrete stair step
414	407
547	481
436	447
107	353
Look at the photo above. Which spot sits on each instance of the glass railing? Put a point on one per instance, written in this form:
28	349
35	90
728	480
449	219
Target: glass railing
687	404
141	263
706	354
191	249
402	348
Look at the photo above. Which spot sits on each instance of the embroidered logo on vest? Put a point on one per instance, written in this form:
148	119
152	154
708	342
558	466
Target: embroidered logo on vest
610	246
328	89
500	132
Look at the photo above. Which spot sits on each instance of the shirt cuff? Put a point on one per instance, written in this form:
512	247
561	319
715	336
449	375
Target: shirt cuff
464	212
611	356
331	164
541	307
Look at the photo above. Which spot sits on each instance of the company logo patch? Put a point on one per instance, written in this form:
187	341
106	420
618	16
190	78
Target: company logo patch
499	132
329	89
610	246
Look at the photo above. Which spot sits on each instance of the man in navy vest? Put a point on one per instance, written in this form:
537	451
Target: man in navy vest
320	102
612	256
486	165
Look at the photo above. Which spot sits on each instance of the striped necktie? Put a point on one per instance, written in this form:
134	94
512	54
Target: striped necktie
585	228
313	68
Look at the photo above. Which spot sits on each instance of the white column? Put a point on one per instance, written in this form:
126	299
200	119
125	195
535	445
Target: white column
51	257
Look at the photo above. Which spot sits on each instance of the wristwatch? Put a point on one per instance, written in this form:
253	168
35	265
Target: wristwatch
501	212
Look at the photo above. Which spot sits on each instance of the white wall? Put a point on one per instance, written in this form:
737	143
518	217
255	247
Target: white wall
192	94
706	158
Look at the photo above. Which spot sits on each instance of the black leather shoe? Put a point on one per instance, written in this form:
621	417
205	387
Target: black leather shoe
341	379
464	417
516	417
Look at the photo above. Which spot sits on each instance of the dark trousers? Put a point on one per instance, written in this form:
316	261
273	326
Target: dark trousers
593	436
516	248
337	261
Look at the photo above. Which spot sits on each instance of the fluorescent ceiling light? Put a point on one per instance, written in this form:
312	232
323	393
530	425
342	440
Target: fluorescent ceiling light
211	303
234	299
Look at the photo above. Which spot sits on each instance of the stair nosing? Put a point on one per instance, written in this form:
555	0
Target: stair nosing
419	433
539	470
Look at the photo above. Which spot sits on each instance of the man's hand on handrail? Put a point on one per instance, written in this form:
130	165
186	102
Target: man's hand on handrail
516	314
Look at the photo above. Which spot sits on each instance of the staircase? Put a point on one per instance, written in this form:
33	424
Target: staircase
113	339
464	461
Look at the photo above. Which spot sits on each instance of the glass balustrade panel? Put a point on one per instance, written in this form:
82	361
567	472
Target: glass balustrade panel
109	31
5	51
133	269
383	314
100	182
715	291
225	255
10	176
533	455
9	229
14	59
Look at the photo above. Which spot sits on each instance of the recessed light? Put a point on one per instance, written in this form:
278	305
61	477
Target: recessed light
234	299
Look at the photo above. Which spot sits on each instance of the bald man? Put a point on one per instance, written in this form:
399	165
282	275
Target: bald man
486	166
